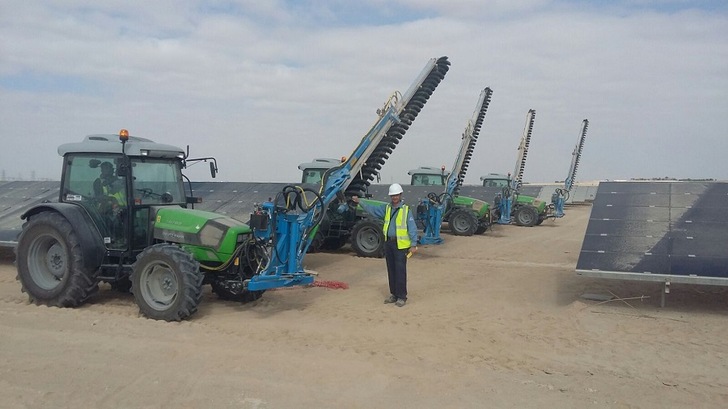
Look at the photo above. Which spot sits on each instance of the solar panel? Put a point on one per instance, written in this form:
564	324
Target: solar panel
17	197
658	231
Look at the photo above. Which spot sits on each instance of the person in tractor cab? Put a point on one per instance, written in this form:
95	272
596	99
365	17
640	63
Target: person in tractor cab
110	191
106	178
108	187
400	232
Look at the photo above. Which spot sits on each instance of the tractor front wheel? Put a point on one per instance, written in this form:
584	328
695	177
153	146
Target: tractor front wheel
51	264
367	238
526	216
463	222
167	283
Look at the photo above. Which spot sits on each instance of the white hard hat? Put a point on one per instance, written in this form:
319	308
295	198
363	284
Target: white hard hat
395	189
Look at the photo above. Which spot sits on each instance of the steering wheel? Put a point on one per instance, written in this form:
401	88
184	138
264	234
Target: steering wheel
146	192
165	197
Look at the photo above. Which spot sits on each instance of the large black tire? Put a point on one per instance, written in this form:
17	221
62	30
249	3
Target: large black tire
482	227
367	238
50	262
463	222
167	283
526	216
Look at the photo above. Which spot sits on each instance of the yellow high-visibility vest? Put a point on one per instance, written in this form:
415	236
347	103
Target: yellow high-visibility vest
118	195
400	226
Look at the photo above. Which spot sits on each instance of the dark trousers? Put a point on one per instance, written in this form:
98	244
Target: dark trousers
396	269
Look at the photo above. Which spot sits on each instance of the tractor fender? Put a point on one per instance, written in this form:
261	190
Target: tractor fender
88	235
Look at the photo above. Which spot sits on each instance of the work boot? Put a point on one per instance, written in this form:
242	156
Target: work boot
400	303
390	300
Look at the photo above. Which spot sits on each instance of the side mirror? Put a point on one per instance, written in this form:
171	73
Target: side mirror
213	170
122	170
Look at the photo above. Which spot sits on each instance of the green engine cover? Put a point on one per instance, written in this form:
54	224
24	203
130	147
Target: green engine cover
208	236
540	205
481	208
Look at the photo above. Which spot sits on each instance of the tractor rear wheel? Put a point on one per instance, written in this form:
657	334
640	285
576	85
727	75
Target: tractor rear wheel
526	216
463	222
51	264
367	238
167	283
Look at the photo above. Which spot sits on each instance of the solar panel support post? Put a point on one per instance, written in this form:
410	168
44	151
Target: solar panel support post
665	291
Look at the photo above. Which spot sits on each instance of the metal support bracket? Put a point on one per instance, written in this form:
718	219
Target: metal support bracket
665	290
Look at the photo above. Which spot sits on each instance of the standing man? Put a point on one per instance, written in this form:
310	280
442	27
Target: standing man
400	234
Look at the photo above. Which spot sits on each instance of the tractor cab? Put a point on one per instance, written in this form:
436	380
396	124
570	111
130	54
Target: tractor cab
496	180
428	176
313	172
117	184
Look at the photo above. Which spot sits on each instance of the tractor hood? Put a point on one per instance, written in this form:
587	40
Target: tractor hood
371	202
480	207
540	205
198	228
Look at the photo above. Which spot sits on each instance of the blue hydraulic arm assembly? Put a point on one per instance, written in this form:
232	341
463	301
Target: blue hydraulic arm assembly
561	195
285	226
504	200
430	211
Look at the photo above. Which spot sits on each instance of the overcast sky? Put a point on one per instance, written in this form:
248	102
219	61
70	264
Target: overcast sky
266	85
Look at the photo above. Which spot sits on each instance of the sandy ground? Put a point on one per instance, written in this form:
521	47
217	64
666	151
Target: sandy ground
492	321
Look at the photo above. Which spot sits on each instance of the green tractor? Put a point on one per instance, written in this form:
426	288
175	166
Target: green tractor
509	204
513	206
465	215
122	218
343	222
525	210
341	227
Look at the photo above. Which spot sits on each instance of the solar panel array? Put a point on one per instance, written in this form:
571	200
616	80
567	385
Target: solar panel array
658	231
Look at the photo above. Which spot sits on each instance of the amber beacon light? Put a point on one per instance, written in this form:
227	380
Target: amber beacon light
123	135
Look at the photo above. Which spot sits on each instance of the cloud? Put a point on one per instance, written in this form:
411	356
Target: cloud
264	86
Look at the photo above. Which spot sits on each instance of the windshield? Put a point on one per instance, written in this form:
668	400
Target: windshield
419	179
496	183
313	175
157	181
